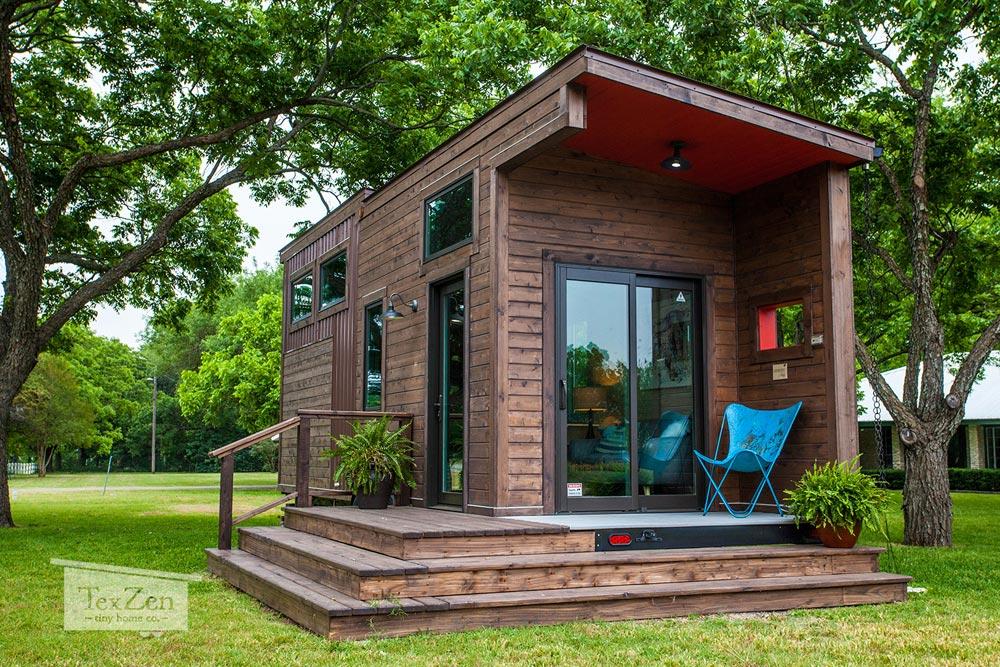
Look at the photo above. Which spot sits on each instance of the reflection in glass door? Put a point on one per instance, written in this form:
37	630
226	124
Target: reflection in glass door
449	391
628	391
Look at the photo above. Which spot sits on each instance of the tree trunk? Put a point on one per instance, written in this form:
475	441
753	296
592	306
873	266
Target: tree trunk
40	457
926	498
6	517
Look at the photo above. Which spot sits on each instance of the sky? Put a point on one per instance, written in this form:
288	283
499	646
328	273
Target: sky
274	222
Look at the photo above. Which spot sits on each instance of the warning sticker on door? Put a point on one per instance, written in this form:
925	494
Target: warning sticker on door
574	489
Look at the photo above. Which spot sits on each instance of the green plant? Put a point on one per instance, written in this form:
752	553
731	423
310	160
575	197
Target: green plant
837	495
372	453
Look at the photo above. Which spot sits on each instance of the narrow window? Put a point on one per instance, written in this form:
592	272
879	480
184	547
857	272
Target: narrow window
991	442
448	219
333	281
302	297
373	356
780	326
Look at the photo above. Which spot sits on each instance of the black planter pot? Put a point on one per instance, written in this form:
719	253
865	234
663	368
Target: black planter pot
378	500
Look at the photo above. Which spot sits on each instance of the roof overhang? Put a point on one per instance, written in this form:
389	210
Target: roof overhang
734	143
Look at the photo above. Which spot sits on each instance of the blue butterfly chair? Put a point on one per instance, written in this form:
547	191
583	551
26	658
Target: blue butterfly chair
756	438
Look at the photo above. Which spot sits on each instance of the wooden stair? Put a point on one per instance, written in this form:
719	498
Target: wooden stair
341	572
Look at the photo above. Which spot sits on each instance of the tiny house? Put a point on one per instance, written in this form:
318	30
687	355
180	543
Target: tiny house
560	302
611	254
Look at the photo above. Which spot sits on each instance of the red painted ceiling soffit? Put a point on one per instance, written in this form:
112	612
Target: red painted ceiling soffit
635	127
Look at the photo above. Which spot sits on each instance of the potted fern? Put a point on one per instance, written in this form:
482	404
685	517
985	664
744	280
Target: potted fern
373	461
837	498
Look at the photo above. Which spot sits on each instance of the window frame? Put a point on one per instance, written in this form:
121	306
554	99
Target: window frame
379	304
782	298
467	178
296	280
322	265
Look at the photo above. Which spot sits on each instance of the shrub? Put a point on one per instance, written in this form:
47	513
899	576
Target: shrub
960	479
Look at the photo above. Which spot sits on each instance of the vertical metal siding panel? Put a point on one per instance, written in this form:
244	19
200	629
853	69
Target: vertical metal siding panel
343	360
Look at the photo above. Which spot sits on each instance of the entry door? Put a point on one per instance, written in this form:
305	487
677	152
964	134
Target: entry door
446	461
629	391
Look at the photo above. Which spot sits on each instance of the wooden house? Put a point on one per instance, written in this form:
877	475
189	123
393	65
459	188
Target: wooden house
565	296
548	234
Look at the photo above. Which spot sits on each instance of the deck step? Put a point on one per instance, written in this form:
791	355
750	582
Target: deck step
408	533
330	612
366	575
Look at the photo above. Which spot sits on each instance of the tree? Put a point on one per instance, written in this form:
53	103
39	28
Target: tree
124	123
50	413
240	374
939	177
111	379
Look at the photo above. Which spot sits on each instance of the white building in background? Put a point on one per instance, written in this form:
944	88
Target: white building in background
976	443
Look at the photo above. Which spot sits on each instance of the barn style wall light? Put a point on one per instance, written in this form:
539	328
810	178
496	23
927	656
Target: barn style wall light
391	313
676	162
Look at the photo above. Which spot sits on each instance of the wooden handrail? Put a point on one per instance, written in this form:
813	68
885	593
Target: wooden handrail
254	438
267	506
302	421
354	414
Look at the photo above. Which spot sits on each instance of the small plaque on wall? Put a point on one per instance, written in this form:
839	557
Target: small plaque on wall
779	372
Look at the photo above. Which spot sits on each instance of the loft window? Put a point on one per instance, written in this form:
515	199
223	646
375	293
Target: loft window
448	218
302	297
373	356
333	281
780	326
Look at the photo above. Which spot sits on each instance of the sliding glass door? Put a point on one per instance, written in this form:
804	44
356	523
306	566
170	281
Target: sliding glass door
629	390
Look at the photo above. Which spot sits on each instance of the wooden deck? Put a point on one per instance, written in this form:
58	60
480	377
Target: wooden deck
348	574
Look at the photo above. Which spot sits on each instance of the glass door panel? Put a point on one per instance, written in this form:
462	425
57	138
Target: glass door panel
596	390
666	400
446	463
453	398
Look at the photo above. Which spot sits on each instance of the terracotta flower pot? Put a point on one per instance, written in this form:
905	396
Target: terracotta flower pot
378	500
839	538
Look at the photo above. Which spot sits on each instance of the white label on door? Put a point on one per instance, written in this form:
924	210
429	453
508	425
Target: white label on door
680	297
574	489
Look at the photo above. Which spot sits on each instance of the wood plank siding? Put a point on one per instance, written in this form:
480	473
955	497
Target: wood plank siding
780	249
574	209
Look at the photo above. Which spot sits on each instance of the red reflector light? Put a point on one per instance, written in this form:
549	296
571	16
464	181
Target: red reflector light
619	540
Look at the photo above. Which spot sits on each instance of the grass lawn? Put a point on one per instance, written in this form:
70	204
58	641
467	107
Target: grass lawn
957	621
62	480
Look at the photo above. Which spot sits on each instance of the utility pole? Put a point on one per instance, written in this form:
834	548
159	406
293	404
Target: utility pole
152	450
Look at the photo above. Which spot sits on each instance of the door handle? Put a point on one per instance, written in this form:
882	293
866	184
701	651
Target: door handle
562	394
437	408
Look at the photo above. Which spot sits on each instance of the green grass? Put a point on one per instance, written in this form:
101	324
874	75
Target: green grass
119	479
955	622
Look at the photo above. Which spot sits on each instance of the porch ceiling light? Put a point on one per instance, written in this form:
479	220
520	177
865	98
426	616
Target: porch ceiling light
676	162
391	313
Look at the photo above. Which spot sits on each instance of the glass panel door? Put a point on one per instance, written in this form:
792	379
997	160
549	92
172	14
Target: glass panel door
596	393
666	402
449	387
628	364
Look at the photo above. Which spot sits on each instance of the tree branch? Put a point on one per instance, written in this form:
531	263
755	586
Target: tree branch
77	259
88	163
133	260
884	255
19	165
974	360
877	381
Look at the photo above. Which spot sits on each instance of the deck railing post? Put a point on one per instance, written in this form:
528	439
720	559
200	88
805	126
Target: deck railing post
303	441
226	503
